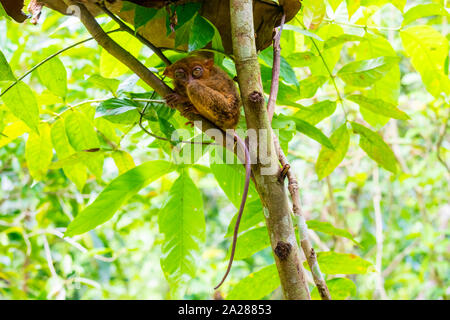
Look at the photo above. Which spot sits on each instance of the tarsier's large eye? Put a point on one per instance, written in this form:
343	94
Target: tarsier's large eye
180	74
197	72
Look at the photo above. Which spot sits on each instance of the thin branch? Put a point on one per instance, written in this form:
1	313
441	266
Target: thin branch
48	59
134	33
48	256
307	248
365	27
275	71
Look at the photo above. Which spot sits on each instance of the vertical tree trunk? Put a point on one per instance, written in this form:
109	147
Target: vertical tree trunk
271	190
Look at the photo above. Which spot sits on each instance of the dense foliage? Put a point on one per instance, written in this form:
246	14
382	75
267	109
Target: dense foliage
91	206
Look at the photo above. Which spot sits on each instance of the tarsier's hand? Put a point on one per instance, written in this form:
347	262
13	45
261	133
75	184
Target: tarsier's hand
189	109
174	98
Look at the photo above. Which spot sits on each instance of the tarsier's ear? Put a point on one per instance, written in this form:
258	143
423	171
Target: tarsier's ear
209	63
168	72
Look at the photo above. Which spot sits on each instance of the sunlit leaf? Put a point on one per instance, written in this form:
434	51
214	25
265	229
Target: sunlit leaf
118	192
110	67
366	72
53	75
331	262
340	289
372	143
39	152
251	242
313	13
378	106
423	10
329	159
316	112
428	50
76	172
123	161
21	100
6	73
256	285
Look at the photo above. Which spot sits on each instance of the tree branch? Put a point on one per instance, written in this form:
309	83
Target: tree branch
275	71
308	250
270	189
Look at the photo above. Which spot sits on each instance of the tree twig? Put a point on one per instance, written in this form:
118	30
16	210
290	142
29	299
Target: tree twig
265	171
307	248
275	71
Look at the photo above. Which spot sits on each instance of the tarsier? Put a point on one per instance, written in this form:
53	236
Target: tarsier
203	88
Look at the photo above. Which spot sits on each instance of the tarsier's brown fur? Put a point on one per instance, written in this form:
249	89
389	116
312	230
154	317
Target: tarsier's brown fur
206	89
213	94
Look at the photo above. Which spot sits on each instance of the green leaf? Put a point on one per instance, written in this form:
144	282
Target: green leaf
182	34
251	242
53	75
366	72
352	7
372	143
329	159
338	40
110	85
39	152
388	87
423	10
428	50
340	289
286	71
230	177
331	56
302	31
185	13
315	113
6	73
82	137
124	111
182	222
379	106
301	59
313	13
201	33
123	160
331	262
252	215
75	172
256	285
309	86
12	132
118	192
312	132
21	101
81	133
110	67
142	15
328	228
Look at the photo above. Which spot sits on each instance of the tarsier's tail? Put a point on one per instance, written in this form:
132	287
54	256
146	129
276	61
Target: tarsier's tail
241	208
